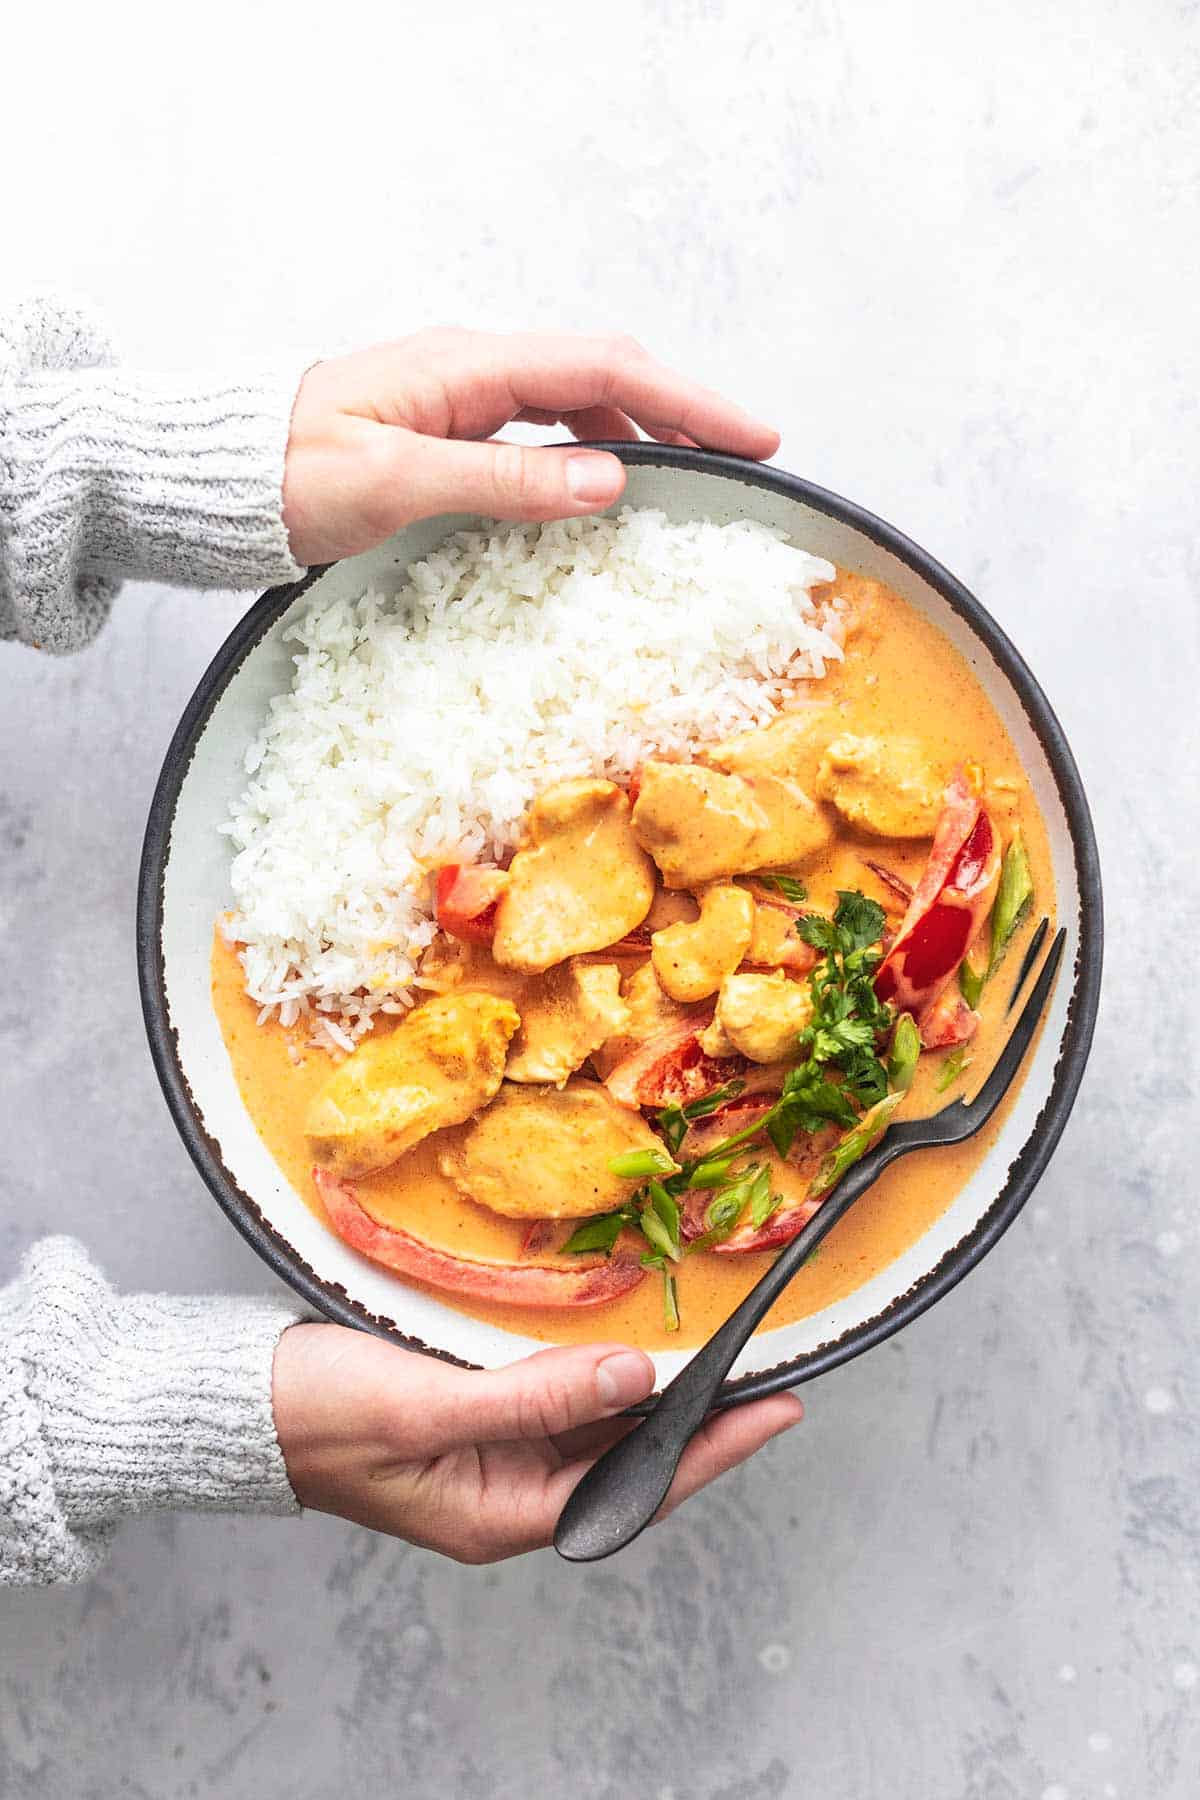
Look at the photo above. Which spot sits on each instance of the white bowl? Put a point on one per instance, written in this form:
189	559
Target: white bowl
185	884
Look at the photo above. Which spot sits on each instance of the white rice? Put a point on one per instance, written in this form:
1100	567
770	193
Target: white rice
419	726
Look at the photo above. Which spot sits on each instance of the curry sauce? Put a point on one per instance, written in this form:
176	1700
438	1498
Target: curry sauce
900	681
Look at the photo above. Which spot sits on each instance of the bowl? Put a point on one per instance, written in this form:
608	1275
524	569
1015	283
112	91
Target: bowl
184	884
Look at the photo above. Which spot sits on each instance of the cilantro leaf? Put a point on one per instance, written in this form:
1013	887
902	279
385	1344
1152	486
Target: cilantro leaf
792	890
818	931
860	921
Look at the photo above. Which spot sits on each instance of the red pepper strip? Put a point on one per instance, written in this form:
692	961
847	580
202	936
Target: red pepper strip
507	1283
796	954
949	1021
467	898
793	1215
540	1235
671	1067
705	1134
780	1228
950	904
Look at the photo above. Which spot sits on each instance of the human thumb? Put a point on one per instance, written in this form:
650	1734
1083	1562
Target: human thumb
552	1392
509	481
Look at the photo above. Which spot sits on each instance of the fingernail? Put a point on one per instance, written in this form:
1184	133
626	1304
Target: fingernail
592	478
623	1378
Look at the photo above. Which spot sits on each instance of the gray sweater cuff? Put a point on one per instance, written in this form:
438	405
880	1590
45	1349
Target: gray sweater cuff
105	474
113	1405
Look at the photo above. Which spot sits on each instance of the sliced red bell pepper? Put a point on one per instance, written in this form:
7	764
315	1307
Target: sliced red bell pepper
466	901
504	1283
746	1109
780	1229
782	1226
671	1068
539	1235
948	907
949	1021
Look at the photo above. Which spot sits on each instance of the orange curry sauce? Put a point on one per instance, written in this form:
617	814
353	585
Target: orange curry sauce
900	677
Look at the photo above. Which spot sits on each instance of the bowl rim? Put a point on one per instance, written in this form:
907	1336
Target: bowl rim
1024	1172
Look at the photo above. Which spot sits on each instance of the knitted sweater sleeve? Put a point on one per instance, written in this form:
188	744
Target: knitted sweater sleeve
112	1406
105	474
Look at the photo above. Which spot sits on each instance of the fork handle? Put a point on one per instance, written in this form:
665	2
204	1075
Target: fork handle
623	1490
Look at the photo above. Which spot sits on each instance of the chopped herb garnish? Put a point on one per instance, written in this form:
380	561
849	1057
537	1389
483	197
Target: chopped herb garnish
793	891
599	1233
665	1209
848	1017
1014	896
723	1213
673	1127
855	1144
857	924
656	1233
905	1049
840	1074
708	1103
762	1201
955	1064
711	1173
970	983
670	1302
673	1120
636	1165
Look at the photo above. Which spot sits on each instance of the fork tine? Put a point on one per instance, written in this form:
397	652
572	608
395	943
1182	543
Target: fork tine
1011	1057
1028	962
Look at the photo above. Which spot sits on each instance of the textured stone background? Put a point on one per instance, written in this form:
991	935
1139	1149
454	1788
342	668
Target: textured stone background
953	251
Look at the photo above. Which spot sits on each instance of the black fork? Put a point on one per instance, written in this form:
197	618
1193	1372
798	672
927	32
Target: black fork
623	1490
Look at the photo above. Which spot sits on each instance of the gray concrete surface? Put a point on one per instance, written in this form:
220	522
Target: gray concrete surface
953	251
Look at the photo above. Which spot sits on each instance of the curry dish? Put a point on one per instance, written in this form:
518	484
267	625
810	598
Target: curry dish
644	1051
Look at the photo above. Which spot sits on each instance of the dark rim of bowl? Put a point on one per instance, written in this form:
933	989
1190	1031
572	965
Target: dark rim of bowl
1024	1172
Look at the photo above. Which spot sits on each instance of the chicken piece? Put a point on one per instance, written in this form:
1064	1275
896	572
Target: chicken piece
671	907
758	1017
690	960
702	824
775	943
790	747
543	1153
566	1015
779	761
581	883
797	830
884	787
442	1062
649	1012
450	965
697	824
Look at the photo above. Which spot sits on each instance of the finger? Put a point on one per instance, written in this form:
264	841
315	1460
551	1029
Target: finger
602	422
572	373
727	1439
471	383
504	481
590	422
723	1441
554	1391
662	434
587	1442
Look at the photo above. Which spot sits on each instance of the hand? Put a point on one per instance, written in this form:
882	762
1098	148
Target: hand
393	434
476	1465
